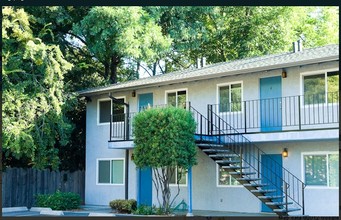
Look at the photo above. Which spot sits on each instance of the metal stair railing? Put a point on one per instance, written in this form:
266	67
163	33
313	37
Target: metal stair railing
249	153
293	187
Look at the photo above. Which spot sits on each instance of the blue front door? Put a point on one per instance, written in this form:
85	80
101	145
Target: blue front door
145	100
144	191
144	194
271	103
272	172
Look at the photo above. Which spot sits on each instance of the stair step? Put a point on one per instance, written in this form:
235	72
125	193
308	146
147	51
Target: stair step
278	203
248	179
263	190
243	173
223	155
227	161
255	185
285	211
210	145
270	197
216	150
234	167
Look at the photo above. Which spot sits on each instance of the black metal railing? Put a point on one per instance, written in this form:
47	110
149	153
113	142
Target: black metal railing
316	111
288	184
121	126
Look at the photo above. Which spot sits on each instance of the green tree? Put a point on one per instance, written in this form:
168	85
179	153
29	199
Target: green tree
116	33
54	26
33	99
164	141
227	33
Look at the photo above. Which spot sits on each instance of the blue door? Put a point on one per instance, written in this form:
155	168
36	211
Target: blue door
144	194
272	171
145	100
271	103
144	191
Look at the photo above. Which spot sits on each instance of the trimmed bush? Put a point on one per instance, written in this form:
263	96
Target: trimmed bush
123	206
149	210
59	200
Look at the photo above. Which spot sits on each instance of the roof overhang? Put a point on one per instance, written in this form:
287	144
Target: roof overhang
184	78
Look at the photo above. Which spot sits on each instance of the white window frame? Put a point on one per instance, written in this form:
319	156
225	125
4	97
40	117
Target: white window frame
108	99
303	168
176	97
180	184
225	186
218	96
97	172
311	73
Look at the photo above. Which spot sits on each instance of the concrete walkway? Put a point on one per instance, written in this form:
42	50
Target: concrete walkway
94	210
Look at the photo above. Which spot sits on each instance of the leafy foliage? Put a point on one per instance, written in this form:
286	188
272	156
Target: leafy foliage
59	200
33	113
123	206
227	33
148	210
114	33
164	139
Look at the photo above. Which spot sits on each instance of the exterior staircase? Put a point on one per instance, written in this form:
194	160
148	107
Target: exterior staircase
242	159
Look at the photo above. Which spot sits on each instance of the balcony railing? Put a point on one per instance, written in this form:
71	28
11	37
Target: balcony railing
281	114
121	125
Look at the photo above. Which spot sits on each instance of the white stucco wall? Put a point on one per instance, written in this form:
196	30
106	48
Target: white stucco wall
206	194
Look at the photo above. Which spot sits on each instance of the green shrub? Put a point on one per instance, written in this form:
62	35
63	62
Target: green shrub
59	200
149	210
123	206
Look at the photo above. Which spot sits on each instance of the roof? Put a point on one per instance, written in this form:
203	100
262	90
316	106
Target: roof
262	63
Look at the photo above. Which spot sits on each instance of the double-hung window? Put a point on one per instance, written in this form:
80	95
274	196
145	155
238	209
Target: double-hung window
110	171
179	175
230	97
224	178
177	98
321	88
321	169
106	107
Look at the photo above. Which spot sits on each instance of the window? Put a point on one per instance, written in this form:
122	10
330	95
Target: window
104	110
110	171
319	86
230	97
225	179
177	98
321	169
179	175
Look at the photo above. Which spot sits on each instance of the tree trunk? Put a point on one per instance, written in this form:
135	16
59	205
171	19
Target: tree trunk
154	68
115	60
106	70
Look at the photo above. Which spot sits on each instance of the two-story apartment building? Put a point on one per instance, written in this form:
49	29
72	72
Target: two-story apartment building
267	134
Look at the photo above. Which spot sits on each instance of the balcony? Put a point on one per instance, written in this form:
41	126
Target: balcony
292	113
285	114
